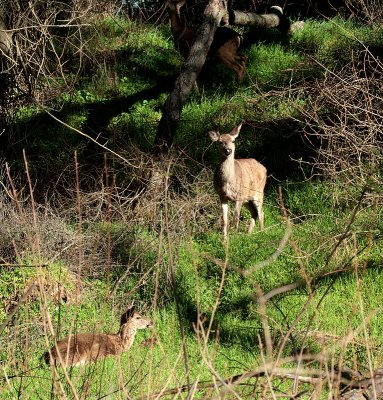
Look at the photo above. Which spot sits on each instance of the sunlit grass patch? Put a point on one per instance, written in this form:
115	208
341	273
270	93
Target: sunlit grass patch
272	65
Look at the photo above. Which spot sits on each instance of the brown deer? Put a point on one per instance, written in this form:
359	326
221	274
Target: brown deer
86	347
242	181
225	46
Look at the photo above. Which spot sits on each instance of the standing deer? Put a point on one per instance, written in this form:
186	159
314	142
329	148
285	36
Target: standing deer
86	347
242	181
225	45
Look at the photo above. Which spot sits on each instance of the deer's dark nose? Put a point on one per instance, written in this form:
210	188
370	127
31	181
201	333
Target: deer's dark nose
227	152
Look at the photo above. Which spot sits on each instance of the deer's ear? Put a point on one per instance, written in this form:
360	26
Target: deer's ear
235	132
127	314
214	136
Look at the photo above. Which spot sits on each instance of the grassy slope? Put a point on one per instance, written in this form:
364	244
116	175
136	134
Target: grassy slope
320	213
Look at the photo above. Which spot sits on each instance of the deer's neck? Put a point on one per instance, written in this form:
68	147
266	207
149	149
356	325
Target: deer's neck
175	21
226	169
127	334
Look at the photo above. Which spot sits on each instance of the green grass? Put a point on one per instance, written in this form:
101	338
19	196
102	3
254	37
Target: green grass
273	66
342	303
326	38
234	343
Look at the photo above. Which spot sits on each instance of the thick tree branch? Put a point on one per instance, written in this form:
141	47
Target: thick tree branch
189	73
272	20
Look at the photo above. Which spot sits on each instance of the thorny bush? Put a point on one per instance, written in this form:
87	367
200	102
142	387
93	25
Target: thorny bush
344	116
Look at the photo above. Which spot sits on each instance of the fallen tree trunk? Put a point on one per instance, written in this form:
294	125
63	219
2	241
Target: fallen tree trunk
274	19
259	20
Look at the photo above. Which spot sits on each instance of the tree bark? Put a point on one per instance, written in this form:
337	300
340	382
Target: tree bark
271	20
274	19
189	73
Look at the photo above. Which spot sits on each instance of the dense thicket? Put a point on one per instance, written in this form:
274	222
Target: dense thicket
369	11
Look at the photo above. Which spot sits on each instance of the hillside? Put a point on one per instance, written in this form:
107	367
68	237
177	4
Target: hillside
91	220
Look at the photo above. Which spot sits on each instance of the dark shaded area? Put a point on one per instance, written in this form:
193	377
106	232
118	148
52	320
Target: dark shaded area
282	143
295	9
305	8
253	35
100	114
50	146
370	62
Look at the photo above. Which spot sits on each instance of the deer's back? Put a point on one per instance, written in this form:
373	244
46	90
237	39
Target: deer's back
222	36
246	184
85	347
186	35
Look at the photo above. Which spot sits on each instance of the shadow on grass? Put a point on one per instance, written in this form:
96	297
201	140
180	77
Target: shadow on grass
50	145
250	334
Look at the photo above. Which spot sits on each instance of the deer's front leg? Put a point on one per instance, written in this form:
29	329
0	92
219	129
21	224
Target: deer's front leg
225	217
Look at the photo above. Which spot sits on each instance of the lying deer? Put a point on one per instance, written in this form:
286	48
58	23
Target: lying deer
225	46
242	181
85	347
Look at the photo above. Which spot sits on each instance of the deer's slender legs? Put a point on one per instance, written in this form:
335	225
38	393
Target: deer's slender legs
258	204
253	211
251	226
261	217
225	215
237	211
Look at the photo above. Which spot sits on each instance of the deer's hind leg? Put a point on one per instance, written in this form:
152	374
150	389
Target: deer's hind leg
253	211
237	212
256	210
261	216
